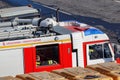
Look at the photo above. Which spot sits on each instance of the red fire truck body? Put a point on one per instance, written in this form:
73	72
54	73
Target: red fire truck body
71	44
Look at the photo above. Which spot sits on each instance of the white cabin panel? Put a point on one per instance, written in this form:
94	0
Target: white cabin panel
11	62
76	37
1	43
80	57
74	59
77	45
95	37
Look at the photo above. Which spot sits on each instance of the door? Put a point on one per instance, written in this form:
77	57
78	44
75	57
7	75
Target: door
47	57
53	56
11	62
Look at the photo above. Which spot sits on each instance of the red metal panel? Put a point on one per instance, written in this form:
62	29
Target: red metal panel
85	54
74	28
28	59
65	50
118	60
47	68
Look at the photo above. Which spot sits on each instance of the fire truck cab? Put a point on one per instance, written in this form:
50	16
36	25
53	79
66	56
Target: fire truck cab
63	44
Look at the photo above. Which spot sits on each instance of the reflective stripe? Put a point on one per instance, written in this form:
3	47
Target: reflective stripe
37	63
50	62
91	50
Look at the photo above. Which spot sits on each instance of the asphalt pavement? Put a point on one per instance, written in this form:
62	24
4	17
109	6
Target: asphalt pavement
103	14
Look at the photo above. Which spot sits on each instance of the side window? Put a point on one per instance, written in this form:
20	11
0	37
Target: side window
95	51
107	53
98	51
47	55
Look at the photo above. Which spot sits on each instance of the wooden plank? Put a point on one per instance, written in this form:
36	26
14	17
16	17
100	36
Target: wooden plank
114	75
111	69
94	77
106	67
77	72
9	78
26	77
47	76
41	76
93	67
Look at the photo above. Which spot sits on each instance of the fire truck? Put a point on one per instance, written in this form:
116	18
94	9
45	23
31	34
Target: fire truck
65	43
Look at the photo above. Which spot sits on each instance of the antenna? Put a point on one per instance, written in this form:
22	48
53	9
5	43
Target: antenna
57	14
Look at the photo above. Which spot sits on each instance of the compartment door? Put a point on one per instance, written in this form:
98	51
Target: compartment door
11	62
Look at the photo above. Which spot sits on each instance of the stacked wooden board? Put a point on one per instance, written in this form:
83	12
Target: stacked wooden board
35	76
104	71
41	76
79	73
111	69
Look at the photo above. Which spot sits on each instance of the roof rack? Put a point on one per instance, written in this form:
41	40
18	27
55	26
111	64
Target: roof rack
22	11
